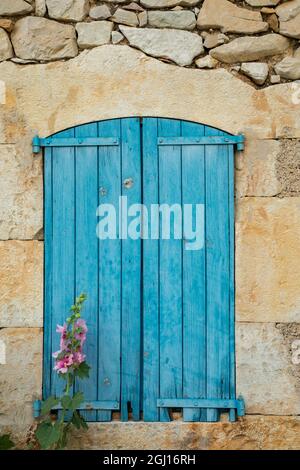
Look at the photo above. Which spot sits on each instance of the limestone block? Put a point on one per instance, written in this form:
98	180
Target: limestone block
116	37
93	34
247	49
21	196
6	24
143	18
288	167
100	12
283	102
250	433
214	39
21	376
266	376
183	19
179	46
85	84
167	3
224	15
21	283
288	10
14	7
256	169
207	62
289	68
291	28
267	259
6	51
126	17
262	3
43	39
68	10
257	71
40	7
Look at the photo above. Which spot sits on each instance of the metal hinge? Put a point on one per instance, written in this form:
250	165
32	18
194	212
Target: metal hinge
38	143
237	140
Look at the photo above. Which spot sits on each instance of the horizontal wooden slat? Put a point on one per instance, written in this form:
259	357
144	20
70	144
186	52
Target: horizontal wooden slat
85	405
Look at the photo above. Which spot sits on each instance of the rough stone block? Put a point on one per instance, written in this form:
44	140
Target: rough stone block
249	433
14	7
20	377
21	283
42	39
21	196
179	46
68	10
267	259
266	376
94	34
230	18
256	173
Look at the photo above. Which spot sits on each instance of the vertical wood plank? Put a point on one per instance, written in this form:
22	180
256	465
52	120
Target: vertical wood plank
194	306
150	276
109	382
217	243
170	271
131	275
48	247
232	379
86	249
63	266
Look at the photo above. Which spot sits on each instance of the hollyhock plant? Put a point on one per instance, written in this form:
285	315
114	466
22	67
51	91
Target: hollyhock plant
70	357
70	363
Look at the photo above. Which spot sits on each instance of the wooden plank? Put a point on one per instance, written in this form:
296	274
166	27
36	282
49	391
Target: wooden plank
48	247
86	249
131	275
109	190
63	266
150	276
217	254
194	306
170	271
232	395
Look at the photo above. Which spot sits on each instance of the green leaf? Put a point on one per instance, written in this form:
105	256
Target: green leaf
48	434
5	442
83	371
48	404
66	402
77	399
78	421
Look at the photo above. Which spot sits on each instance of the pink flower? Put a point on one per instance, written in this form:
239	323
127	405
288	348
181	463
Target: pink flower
80	330
62	365
79	358
63	332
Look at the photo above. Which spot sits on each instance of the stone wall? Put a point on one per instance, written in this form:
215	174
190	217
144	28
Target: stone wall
106	81
257	40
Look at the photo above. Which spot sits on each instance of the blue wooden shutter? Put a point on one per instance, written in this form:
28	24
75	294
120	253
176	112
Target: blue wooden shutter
160	317
189	295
